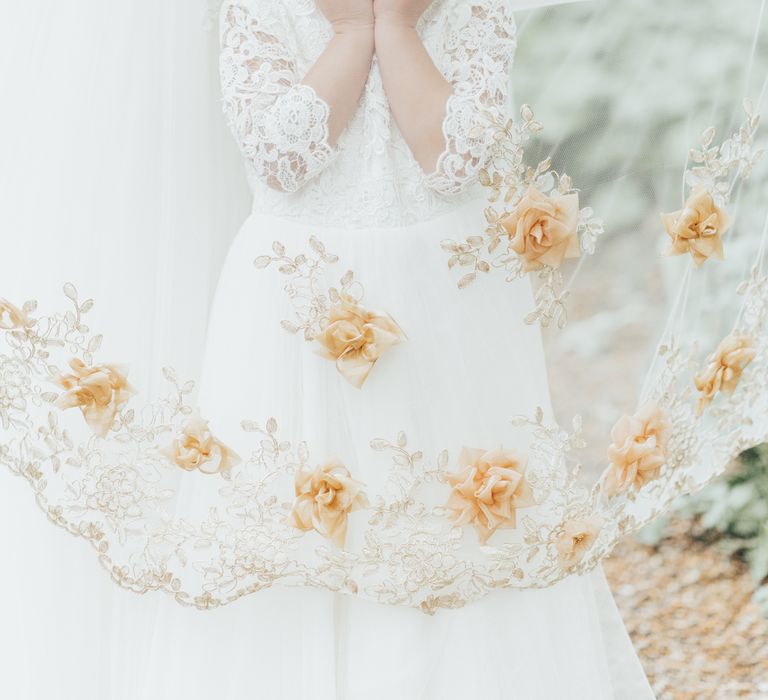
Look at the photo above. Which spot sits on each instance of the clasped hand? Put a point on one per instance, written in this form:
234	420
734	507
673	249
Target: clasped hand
416	90
365	15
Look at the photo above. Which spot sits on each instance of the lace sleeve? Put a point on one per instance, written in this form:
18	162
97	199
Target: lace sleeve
479	47
280	124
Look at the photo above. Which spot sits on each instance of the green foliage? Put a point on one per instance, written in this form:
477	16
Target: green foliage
735	510
627	87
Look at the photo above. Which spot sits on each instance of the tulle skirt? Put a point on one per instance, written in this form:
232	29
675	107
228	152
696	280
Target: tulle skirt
469	364
295	644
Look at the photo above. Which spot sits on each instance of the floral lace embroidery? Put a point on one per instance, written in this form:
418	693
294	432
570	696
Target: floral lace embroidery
698	227
473	48
350	335
540	225
281	125
479	50
404	545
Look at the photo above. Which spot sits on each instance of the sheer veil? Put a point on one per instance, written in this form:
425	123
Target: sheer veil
118	175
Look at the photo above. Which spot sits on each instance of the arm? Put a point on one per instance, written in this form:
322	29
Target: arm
446	117
339	75
287	125
416	90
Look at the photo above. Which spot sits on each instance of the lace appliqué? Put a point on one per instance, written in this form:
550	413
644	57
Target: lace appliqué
467	146
478	53
304	286
715	171
267	47
294	139
401	545
280	124
539	226
342	329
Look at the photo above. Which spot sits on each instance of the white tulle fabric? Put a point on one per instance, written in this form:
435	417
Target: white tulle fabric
446	386
118	173
306	644
281	124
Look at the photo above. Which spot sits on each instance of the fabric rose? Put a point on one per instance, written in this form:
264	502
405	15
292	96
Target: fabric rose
543	229
355	339
488	489
11	317
324	499
724	369
99	392
578	536
195	448
697	228
639	449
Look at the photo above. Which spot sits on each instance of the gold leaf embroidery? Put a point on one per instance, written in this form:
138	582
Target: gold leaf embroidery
715	171
538	227
114	492
346	333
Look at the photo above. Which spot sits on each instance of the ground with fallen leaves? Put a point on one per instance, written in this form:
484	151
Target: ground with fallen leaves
687	606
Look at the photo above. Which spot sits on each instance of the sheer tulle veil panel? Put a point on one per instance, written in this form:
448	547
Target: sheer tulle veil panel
119	176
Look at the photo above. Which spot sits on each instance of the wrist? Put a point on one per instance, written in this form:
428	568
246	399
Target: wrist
356	37
354	30
394	35
395	21
394	32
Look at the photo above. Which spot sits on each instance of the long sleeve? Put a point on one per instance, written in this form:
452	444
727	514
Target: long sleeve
478	52
280	124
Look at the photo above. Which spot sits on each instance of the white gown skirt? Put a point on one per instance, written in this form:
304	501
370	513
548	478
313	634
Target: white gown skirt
469	364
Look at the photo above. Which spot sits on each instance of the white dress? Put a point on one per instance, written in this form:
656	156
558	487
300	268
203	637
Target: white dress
465	365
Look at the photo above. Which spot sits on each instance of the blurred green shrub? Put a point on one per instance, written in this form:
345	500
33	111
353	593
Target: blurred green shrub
733	509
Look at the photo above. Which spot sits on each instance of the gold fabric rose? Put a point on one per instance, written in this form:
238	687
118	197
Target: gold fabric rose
11	316
195	448
355	339
724	369
488	490
577	537
543	229
639	449
696	229
99	392
324	498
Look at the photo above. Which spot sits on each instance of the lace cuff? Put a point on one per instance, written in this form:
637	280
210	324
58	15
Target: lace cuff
280	124
477	53
290	142
468	134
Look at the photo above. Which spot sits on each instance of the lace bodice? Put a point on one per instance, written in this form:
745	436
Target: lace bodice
370	177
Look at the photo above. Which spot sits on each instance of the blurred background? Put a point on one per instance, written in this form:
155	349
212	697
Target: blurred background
623	94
